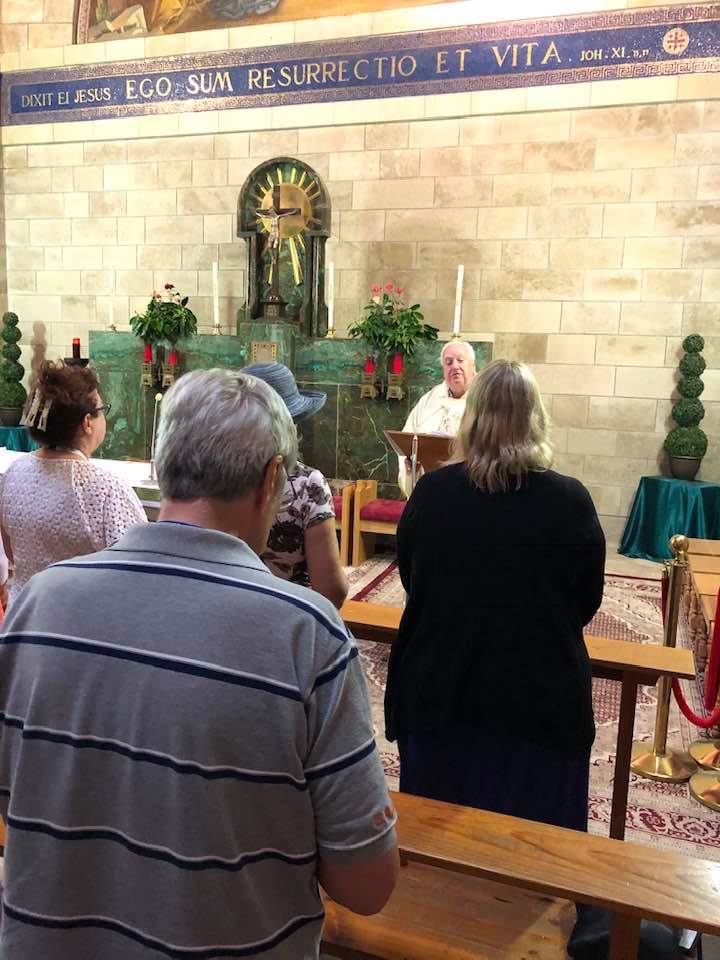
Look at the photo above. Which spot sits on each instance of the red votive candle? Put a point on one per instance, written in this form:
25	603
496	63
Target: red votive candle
76	348
370	365
397	364
148	354
172	359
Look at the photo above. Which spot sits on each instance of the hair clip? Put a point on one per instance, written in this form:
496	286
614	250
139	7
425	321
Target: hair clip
28	418
44	413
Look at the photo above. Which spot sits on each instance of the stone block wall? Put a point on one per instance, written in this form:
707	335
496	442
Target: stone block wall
587	217
27	25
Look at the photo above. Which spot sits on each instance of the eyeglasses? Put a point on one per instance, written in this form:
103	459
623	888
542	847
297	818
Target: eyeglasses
105	408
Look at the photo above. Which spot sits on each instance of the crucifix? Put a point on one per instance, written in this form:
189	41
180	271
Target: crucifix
274	214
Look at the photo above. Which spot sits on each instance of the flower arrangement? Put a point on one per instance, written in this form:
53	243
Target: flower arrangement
687	440
167	318
390	325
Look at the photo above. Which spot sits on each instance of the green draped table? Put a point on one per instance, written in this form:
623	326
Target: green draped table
17	439
664	506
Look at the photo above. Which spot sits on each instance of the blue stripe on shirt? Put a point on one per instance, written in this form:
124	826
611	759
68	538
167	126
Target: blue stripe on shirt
192	767
159	853
160	662
152	943
190	573
334	766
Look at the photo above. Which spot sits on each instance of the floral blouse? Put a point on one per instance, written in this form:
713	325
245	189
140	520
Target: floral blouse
306	501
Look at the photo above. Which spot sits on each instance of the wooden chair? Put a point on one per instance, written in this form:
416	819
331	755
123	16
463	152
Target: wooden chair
372	515
480	885
343	505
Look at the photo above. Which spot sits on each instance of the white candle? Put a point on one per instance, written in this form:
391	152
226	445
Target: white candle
331	296
216	296
458	299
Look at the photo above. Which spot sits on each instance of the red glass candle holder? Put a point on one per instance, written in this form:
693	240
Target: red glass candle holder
76	348
148	357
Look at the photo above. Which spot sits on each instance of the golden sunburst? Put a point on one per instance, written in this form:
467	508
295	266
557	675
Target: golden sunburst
296	191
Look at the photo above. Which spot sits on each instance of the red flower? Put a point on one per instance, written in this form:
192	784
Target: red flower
377	289
399	291
389	287
169	286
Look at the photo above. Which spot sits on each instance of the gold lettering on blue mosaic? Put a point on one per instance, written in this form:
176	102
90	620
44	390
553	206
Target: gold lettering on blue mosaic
644	42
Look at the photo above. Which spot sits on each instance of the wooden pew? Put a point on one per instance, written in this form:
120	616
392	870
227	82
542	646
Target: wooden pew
631	664
480	884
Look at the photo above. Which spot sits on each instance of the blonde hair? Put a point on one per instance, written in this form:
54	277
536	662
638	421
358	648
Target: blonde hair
504	431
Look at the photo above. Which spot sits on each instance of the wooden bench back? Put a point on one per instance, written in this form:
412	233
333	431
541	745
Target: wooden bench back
631	881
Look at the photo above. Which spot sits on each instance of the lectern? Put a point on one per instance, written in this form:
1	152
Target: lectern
426	451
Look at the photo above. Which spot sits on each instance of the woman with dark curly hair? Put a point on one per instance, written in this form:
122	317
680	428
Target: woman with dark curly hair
302	545
55	503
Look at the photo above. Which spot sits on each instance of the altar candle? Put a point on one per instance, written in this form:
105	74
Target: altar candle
148	354
216	296
370	365
173	358
76	348
331	296
397	364
458	299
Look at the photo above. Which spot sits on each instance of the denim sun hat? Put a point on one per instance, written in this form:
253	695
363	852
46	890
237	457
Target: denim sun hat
302	404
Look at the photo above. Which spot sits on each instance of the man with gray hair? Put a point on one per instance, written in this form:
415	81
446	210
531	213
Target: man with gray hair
440	410
187	747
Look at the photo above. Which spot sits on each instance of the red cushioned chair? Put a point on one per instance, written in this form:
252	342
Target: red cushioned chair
372	516
343	504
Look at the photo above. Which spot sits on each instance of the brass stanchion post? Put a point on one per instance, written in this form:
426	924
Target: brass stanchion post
659	762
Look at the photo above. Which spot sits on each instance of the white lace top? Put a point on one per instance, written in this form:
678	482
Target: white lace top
56	509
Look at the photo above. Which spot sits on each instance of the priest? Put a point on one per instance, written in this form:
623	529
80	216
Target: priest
440	409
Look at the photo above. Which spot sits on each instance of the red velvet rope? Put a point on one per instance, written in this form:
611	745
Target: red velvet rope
712	677
703	722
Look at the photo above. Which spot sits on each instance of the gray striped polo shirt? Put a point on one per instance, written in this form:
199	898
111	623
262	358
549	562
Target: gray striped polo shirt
182	734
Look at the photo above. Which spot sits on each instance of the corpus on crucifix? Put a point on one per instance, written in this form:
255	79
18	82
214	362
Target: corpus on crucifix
273	215
284	215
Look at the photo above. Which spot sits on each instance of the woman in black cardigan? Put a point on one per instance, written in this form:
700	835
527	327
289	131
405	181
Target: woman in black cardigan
489	687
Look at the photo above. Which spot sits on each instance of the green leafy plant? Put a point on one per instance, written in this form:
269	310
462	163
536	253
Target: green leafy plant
12	392
167	318
389	325
687	439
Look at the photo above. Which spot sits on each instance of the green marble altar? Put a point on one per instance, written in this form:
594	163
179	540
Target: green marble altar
345	440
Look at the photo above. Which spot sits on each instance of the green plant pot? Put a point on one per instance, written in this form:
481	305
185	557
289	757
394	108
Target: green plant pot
10	416
685	468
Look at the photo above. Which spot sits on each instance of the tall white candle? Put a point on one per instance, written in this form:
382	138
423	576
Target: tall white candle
216	296
458	299
331	296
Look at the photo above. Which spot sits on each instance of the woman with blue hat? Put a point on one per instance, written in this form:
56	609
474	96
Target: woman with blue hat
302	545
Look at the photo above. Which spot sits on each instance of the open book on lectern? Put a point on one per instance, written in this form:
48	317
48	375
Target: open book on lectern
433	449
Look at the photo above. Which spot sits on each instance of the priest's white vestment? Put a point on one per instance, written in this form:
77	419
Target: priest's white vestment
435	412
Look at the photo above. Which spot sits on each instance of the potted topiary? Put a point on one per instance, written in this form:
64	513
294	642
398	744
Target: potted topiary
686	444
12	392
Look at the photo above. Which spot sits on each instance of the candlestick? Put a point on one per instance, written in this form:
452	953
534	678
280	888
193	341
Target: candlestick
158	401
147	358
216	298
331	300
370	365
396	366
173	358
76	348
458	300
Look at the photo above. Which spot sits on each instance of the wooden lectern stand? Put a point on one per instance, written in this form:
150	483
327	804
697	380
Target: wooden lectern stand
424	450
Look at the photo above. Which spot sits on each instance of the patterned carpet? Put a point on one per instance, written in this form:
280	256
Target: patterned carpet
663	815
